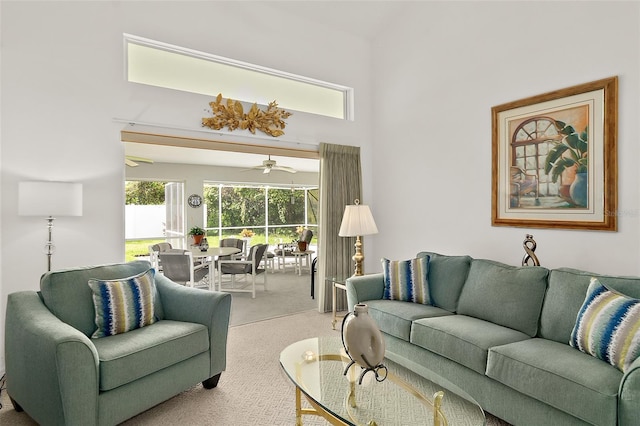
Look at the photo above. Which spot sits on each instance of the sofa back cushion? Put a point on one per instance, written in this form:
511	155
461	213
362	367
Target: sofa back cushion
565	295
447	275
68	296
506	295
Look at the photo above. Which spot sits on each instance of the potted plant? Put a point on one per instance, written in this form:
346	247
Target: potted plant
246	234
197	233
302	245
571	153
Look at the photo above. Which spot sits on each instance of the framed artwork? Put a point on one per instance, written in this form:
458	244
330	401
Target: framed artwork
554	159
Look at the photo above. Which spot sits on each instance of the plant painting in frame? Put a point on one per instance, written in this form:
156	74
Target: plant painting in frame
554	159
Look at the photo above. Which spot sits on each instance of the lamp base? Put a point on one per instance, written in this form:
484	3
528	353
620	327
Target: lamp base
358	258
49	247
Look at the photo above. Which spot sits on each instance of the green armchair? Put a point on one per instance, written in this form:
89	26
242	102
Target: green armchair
59	375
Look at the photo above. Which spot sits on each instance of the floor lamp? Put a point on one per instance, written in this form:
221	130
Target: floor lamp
49	199
356	222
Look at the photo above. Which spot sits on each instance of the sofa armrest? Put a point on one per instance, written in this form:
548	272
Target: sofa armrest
365	287
629	396
52	368
209	308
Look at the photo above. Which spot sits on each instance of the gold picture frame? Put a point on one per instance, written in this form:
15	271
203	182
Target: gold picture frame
554	159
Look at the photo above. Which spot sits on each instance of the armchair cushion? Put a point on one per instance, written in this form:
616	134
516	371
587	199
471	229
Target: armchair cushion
129	356
124	304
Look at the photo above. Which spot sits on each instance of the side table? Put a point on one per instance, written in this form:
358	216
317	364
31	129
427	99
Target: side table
336	283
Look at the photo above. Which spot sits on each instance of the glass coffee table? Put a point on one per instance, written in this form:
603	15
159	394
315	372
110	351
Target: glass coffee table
316	368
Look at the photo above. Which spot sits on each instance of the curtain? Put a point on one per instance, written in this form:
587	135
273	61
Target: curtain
340	184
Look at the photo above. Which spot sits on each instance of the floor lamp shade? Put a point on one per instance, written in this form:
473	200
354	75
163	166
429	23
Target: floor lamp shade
49	199
356	222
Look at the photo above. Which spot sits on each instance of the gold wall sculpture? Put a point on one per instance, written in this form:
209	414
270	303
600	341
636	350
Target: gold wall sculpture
232	116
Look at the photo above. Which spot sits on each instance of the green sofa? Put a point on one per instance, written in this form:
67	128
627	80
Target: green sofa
502	334
61	376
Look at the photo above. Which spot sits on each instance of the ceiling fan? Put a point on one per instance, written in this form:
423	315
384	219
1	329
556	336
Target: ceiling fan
268	165
133	161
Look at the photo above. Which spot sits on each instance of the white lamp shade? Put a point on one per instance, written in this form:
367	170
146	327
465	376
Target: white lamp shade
49	199
357	220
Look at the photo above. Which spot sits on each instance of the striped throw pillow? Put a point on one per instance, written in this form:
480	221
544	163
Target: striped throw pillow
123	305
608	326
406	280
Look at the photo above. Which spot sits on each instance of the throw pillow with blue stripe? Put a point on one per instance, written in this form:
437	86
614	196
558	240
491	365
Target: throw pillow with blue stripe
123	305
608	326
407	280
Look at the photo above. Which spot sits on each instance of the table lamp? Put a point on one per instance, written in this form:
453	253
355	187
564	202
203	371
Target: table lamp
49	199
356	222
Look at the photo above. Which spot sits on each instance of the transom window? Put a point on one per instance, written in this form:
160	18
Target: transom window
164	65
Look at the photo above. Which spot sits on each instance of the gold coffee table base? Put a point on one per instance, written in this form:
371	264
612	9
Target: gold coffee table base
350	400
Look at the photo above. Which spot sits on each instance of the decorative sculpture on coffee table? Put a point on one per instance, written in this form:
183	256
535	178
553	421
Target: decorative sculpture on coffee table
363	342
529	245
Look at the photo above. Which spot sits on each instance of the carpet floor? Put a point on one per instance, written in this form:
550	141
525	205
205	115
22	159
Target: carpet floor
287	293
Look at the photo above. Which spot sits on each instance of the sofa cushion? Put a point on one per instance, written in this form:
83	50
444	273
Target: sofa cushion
406	280
504	295
462	339
608	326
565	295
395	317
560	376
129	356
123	305
447	275
67	295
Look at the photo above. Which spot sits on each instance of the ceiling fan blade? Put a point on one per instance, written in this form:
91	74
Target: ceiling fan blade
130	163
285	169
138	159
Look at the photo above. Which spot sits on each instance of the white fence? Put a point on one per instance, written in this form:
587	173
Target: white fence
144	221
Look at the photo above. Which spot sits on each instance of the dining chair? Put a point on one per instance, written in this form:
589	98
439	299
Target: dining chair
156	249
179	267
244	267
232	242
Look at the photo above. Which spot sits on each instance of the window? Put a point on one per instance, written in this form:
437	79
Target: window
273	214
532	140
164	65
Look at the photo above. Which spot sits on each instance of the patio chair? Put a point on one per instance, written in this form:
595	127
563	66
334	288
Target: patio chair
179	267
158	248
232	242
250	265
284	251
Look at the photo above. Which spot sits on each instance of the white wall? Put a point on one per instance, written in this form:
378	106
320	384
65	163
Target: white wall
62	85
433	124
